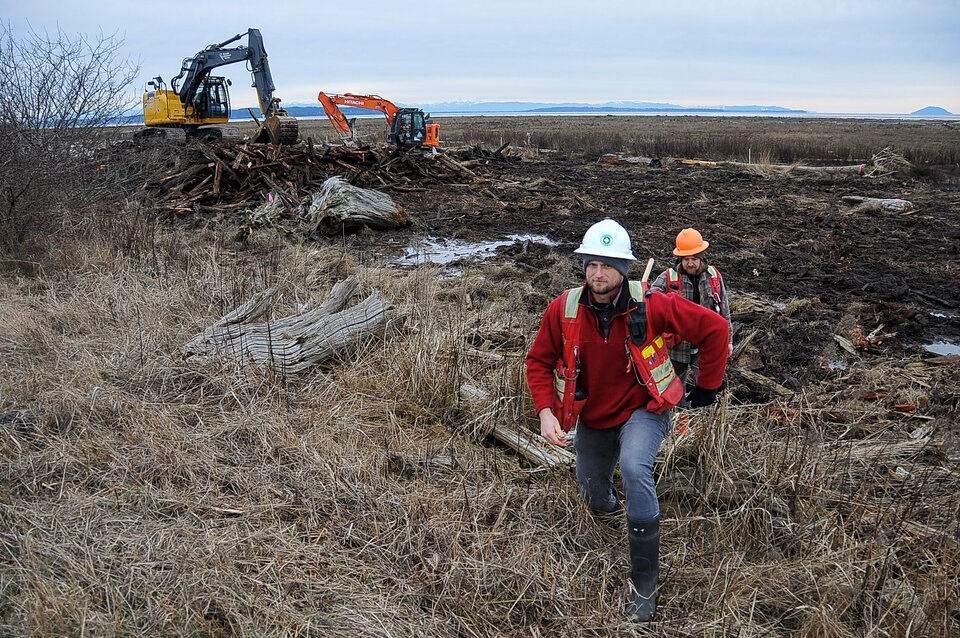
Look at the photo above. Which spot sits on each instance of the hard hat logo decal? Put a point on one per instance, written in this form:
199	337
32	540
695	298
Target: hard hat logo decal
606	239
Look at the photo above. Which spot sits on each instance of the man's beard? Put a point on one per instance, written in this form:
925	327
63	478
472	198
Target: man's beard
694	271
602	288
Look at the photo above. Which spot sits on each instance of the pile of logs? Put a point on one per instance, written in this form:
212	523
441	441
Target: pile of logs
224	176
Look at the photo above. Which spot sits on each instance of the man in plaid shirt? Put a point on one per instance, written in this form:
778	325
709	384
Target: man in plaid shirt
699	282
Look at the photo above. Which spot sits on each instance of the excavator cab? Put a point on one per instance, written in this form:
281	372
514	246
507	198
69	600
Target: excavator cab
409	129
211	100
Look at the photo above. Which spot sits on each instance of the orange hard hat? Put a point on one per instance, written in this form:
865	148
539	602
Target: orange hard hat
690	242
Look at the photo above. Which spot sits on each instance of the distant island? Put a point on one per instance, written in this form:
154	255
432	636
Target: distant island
932	110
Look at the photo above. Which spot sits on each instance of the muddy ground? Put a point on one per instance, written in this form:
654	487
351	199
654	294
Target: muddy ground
146	494
821	288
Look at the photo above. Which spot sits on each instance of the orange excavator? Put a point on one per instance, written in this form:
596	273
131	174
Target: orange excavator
407	127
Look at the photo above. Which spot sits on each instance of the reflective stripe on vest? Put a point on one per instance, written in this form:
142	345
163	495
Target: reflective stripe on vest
651	362
655	371
673	280
675	283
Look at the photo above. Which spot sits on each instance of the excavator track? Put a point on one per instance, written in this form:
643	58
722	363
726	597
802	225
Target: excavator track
162	134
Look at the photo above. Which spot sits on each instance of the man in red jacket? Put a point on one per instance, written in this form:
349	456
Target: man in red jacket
578	365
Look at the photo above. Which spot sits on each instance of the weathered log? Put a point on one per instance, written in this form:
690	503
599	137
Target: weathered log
763	381
935	299
619	158
207	152
851	169
455	165
533	447
339	206
864	204
742	345
295	343
529	445
882	163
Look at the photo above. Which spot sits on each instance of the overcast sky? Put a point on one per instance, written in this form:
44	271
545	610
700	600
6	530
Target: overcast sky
863	56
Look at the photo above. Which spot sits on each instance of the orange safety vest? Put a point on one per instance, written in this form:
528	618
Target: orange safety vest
675	283
650	361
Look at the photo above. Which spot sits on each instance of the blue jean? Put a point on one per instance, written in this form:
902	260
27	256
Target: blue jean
634	445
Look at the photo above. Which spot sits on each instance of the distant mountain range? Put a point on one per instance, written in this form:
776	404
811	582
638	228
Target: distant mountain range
545	108
440	108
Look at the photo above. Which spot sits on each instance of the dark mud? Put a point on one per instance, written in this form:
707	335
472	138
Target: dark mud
779	236
810	275
826	292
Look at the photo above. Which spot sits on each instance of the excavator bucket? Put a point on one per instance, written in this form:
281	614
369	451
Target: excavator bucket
278	129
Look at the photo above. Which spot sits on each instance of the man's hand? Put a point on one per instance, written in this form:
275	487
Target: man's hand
699	398
550	428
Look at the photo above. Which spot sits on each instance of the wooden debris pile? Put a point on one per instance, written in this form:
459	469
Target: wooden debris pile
221	177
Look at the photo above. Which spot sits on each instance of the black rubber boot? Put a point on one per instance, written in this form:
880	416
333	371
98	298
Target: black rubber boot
644	537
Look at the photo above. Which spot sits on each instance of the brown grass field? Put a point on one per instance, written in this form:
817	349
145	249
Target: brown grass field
142	494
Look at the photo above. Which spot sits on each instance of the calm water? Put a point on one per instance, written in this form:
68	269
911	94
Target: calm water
799	116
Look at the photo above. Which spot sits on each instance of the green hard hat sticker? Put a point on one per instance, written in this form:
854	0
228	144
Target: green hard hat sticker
606	239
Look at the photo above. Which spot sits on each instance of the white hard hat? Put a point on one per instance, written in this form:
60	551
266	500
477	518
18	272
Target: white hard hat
607	238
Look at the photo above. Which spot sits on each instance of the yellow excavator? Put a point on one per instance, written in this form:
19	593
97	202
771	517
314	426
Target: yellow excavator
197	102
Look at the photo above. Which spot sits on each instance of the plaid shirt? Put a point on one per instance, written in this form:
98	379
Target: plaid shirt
681	353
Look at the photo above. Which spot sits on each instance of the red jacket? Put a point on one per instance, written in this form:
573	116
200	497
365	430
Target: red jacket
613	392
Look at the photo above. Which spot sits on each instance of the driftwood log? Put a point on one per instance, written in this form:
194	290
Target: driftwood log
339	206
295	343
758	379
882	163
620	158
870	204
531	446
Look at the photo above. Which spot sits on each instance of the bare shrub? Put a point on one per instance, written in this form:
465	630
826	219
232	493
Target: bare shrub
58	94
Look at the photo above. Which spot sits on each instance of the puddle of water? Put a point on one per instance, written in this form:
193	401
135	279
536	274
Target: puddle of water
942	348
434	251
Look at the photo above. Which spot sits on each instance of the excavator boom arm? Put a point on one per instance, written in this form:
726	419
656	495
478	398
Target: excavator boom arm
262	78
194	70
341	124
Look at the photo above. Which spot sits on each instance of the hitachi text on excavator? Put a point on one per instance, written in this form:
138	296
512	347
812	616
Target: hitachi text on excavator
197	101
407	127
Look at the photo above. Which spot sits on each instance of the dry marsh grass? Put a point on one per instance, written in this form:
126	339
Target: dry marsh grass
761	140
142	495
